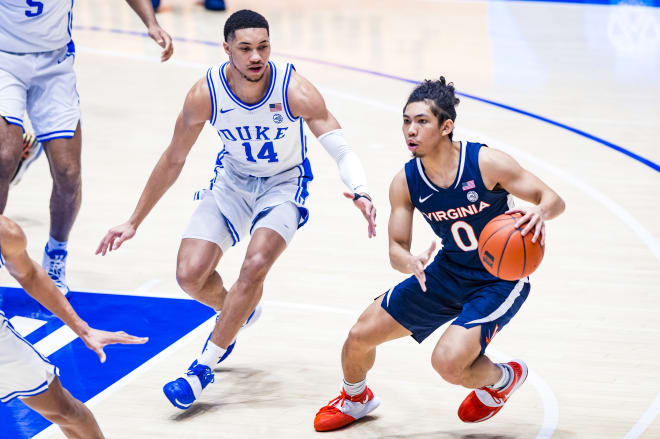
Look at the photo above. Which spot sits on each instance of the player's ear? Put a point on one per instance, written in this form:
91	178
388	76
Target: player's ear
225	45
447	127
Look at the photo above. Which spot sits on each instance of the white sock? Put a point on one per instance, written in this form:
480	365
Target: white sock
505	379
353	389
54	244
211	355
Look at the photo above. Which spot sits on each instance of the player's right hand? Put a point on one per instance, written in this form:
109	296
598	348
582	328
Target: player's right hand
115	237
417	264
96	340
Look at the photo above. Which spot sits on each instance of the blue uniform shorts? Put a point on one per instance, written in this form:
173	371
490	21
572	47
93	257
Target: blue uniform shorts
450	293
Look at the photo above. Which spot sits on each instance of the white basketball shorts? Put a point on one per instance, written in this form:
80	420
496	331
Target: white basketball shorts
44	85
236	205
24	372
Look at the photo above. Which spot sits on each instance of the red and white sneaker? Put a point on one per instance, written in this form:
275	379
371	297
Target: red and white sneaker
484	403
345	409
32	149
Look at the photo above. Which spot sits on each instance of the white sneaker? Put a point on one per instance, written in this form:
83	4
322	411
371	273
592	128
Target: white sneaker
54	262
32	149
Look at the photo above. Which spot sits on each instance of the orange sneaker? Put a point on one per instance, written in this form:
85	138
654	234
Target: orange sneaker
484	403
345	409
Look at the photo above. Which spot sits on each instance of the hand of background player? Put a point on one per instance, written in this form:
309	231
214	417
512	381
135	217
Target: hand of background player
368	210
96	340
164	40
417	264
533	216
120	233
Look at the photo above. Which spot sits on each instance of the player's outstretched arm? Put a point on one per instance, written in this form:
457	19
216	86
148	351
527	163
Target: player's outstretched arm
145	10
400	232
36	282
500	169
306	101
196	111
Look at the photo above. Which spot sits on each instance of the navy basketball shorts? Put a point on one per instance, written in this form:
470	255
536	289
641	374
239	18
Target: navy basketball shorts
490	304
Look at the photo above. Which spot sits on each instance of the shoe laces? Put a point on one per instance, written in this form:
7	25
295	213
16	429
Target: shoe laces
56	268
340	400
496	395
203	372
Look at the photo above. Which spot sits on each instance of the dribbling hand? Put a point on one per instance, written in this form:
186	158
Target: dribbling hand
417	264
533	216
96	340
115	237
368	211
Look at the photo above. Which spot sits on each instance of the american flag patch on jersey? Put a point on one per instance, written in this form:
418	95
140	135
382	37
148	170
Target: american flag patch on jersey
467	185
275	107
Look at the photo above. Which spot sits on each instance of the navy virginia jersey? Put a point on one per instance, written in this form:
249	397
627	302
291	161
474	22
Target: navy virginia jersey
458	213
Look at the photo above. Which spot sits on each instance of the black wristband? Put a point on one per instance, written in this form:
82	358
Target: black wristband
357	196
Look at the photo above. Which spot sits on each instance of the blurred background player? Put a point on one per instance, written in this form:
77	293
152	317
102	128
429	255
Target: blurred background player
36	75
261	184
442	176
24	372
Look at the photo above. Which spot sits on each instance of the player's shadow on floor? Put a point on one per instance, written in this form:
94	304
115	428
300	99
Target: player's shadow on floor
450	435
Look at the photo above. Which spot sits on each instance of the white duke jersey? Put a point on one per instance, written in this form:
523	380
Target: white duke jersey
261	139
29	26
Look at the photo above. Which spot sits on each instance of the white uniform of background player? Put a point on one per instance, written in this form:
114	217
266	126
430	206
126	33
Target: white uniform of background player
37	77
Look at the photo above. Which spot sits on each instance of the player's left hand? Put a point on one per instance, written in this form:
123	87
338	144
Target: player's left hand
164	40
533	217
96	340
368	210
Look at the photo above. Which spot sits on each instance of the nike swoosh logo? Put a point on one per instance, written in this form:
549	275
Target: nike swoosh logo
421	200
226	111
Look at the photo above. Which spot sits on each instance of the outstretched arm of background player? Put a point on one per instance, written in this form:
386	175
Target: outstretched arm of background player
196	111
400	232
145	10
306	101
500	169
36	283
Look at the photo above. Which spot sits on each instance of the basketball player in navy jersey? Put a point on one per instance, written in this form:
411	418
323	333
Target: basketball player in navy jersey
37	53
24	372
458	187
259	191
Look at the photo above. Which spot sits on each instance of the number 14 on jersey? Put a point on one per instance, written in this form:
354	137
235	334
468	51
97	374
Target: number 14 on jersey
267	152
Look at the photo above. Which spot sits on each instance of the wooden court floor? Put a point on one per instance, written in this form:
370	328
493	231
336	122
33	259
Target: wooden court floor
590	328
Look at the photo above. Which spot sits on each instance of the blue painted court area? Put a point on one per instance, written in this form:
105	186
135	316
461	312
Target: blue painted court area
652	3
164	321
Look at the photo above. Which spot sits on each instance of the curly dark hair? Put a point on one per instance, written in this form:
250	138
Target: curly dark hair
244	19
441	97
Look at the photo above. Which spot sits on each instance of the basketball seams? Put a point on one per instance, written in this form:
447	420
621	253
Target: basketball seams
522	273
499	263
495	232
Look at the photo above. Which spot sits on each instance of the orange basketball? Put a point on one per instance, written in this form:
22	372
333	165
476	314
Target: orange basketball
505	253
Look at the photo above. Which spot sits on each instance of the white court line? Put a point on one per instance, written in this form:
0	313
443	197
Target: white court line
647	419
55	341
616	209
25	325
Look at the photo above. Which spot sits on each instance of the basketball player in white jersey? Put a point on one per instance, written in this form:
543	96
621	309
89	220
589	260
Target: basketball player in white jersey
24	372
260	185
36	75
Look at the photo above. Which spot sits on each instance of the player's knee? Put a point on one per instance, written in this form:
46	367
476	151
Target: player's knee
67	178
358	338
254	270
448	366
9	158
190	279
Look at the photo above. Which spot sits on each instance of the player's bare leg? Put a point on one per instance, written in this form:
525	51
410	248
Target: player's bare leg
457	358
11	144
58	406
239	308
374	327
265	247
196	273
64	160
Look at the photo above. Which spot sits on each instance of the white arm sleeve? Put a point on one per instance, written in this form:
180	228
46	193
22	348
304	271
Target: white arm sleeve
350	168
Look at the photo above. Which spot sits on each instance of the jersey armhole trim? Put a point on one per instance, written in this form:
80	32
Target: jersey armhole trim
285	89
211	85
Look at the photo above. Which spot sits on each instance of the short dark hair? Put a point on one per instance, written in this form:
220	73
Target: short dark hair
441	97
244	19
